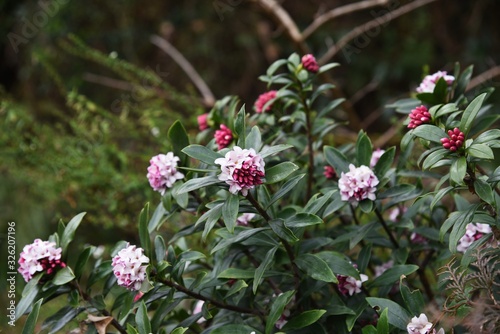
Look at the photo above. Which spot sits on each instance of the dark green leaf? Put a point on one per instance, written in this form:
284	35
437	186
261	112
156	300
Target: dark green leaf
495	177
383	322
28	296
157	218
61	318
481	151
429	132
396	191
197	183
267	151
370	329
397	315
316	268
302	220
242	235
179	139
463	81
69	231
484	191
327	67
280	172
240	128
470	114
277	309
364	257
385	162
82	261
315	204
336	204
230	211
234	329
160	248
279	228
366	205
413	299
63	276
180	330
142	319
434	158
440	194
364	149
30	324
259	272
392	275
458	170
236	273
144	232
487	136
336	159
254	139
274	66
303	320
339	264
202	153
285	189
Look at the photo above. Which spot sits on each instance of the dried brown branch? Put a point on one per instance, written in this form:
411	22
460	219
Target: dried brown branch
274	9
340	11
165	46
108	82
483	77
377	22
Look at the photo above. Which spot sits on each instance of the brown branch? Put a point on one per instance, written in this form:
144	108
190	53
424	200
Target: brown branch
284	19
384	19
340	11
108	82
165	46
485	76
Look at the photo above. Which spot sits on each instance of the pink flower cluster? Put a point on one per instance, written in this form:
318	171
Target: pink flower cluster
329	172
376	157
358	184
242	169
419	116
310	63
421	325
454	141
473	232
244	219
223	137
263	99
40	256
349	285
429	82
162	173
202	121
128	267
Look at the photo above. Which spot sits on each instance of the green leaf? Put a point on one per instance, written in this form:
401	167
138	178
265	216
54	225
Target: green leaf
434	157
61	318
212	217
383	322
338	263
131	329
413	299
396	191
370	329
470	114
69	231
315	204
463	81
397	315
458	170
336	204
327	67
440	194
385	162
302	220
270	150
234	329
458	221
364	257
180	330
82	261
366	205
364	149
285	189
30	324
429	132
243	235
179	139
197	183
487	136
281	230
236	273
259	272
28	295
144	232
274	66
230	211
304	319
142	319
202	153
392	275
481	151
484	191
254	139
336	159
239	127
160	248
280	172
63	276
277	309
316	268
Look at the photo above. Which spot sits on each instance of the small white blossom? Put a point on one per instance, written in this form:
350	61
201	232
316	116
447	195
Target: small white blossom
40	256
429	82
244	219
473	232
420	325
358	184
162	173
242	169
128	267
376	157
379	270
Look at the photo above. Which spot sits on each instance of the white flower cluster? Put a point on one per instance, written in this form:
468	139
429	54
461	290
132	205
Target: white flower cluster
162	173
358	184
38	257
421	325
429	82
128	267
473	232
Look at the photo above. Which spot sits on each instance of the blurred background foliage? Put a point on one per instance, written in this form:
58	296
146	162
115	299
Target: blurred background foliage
86	98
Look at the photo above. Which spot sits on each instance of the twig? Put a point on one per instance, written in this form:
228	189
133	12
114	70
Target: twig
274	8
485	76
196	295
108	82
340	11
334	49
165	46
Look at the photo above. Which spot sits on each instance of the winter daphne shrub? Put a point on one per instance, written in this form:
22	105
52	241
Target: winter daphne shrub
277	229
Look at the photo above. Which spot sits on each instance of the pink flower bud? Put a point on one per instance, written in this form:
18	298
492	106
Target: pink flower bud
310	63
